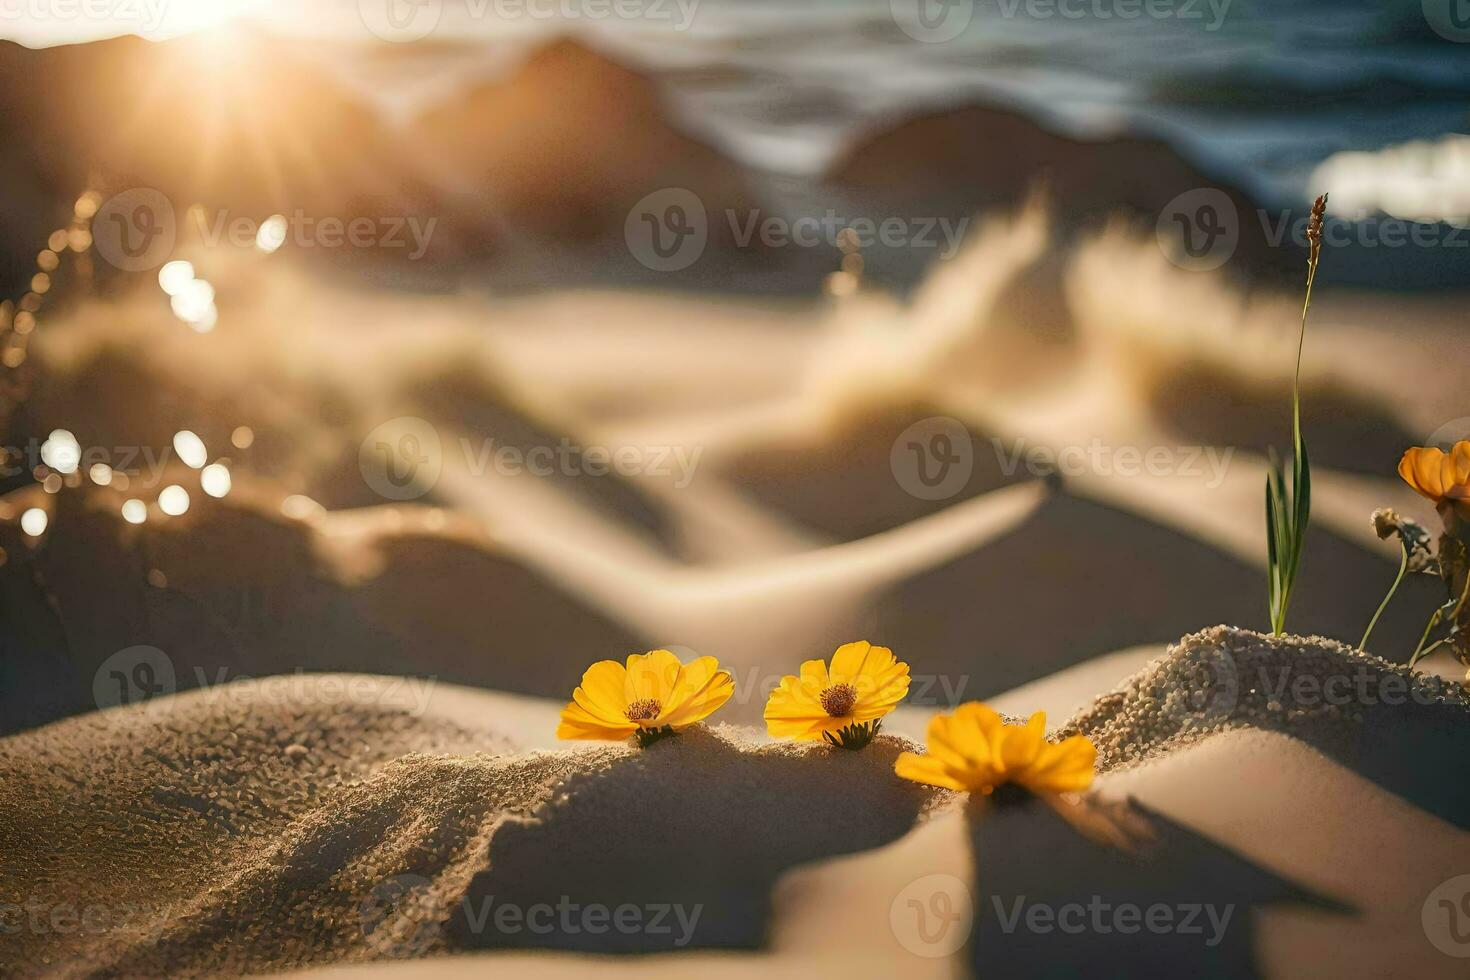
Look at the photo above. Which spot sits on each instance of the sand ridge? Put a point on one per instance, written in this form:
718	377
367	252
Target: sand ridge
1315	688
289	822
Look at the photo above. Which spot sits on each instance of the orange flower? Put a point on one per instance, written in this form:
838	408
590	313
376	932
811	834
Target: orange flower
650	697
1442	477
975	750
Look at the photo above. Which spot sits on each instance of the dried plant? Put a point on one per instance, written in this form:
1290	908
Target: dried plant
1415	556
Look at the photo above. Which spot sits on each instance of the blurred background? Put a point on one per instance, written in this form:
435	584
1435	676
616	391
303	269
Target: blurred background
477	340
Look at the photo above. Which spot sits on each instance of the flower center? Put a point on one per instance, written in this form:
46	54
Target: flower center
839	700
643	709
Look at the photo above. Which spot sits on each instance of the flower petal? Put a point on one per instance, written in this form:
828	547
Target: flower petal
1022	744
1459	457
604	684
856	660
598	709
926	769
1420	469
715	692
804	729
1065	767
793	700
975	749
814	673
957	741
883	696
578	723
692	678
651	675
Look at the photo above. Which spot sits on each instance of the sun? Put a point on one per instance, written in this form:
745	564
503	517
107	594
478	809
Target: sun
188	16
153	19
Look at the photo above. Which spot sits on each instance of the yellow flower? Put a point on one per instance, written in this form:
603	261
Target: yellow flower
653	696
1442	477
974	750
843	703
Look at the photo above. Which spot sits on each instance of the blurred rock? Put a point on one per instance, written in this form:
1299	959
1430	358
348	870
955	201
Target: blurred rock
979	158
569	143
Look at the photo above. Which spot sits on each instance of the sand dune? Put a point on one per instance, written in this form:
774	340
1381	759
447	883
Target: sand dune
335	819
307	726
790	530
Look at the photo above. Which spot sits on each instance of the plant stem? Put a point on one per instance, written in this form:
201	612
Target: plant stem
1301	342
1297	531
1403	567
1419	652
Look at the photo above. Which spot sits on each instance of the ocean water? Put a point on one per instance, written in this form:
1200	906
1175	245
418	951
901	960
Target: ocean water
1262	91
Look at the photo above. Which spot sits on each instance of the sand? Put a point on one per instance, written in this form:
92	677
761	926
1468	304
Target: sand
791	533
341	823
333	820
286	822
